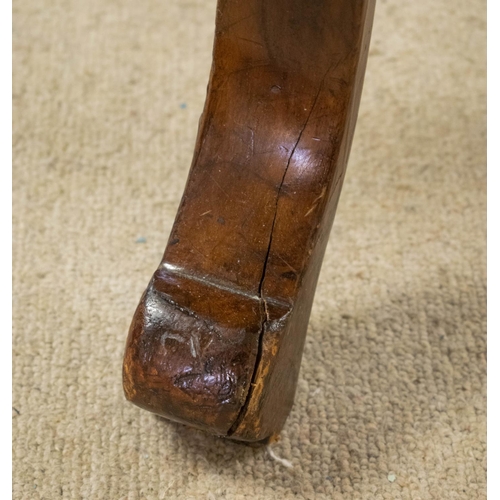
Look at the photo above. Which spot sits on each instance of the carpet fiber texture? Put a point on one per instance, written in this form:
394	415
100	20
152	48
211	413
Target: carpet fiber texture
392	393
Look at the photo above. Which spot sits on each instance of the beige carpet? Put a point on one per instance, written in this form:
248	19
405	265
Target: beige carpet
392	392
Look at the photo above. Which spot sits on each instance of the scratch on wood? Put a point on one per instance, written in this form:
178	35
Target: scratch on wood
192	348
230	25
311	210
172	336
315	202
194	345
217	184
283	260
251	41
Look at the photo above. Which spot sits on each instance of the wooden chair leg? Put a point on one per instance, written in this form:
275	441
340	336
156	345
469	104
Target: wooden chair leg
217	338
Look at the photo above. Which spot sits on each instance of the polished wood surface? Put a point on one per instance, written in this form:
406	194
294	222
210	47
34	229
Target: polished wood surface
217	338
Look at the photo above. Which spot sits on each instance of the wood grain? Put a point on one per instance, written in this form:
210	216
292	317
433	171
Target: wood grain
217	338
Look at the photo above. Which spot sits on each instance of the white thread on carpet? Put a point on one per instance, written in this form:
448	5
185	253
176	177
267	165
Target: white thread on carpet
282	461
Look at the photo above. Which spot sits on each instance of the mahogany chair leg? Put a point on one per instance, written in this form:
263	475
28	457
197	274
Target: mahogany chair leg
217	338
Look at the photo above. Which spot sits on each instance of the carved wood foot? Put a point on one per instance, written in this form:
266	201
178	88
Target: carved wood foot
217	338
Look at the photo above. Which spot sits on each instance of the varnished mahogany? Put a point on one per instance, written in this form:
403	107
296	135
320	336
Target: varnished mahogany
217	338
